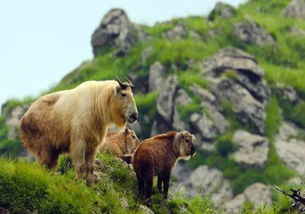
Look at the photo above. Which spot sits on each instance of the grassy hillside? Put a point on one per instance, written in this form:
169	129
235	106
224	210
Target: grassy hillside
27	188
282	62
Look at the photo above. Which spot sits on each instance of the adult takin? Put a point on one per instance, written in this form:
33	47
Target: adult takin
120	143
76	121
157	156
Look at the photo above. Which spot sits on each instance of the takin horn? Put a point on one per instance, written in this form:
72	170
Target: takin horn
122	85
130	83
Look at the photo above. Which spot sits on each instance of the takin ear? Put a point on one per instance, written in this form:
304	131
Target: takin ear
181	135
126	130
117	90
193	137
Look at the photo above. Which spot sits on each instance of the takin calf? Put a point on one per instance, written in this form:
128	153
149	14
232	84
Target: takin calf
76	121
120	143
157	156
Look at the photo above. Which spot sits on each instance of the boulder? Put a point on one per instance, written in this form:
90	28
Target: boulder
206	181
156	76
146	53
247	72
252	33
222	10
248	110
181	98
165	101
290	148
115	30
295	31
204	125
252	149
145	209
178	32
295	9
209	102
258	194
13	120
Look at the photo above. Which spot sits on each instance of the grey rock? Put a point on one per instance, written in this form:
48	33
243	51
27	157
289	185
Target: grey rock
156	76
295	31
258	194
181	98
13	120
178	32
252	33
160	126
147	52
223	11
135	126
145	209
116	31
248	110
290	147
194	35
295	9
209	102
287	93
296	181
206	181
204	95
165	101
204	125
247	72
252	149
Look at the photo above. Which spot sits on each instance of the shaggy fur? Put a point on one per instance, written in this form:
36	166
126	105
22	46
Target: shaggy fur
75	121
120	143
157	156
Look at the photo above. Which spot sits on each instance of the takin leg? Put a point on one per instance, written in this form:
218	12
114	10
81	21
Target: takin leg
90	160
77	154
166	178
148	184
141	186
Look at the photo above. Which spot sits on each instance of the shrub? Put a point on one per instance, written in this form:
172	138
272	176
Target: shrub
225	145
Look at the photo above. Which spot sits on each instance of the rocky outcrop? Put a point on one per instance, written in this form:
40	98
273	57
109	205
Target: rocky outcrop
290	147
13	120
204	125
156	76
170	97
252	149
252	33
258	194
115	31
165	101
235	77
295	9
178	32
208	182
222	10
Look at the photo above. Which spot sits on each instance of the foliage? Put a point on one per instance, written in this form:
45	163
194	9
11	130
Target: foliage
147	111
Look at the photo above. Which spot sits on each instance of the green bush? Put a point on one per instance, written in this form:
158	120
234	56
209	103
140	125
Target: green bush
147	111
225	145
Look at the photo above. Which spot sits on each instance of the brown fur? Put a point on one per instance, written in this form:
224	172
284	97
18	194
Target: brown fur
75	121
120	143
157	156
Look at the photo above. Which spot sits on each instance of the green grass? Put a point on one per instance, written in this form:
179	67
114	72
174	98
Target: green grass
27	187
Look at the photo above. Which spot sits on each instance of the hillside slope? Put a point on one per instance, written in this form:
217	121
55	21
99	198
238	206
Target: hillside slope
235	79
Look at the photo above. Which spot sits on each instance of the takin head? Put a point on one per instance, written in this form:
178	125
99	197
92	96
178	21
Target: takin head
125	104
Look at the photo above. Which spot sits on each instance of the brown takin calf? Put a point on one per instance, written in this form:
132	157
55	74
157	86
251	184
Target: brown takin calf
157	156
120	143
